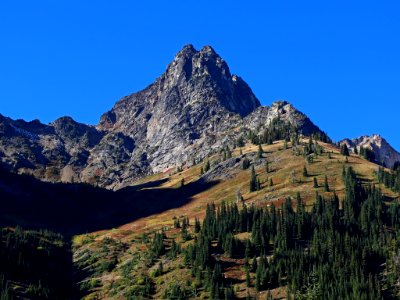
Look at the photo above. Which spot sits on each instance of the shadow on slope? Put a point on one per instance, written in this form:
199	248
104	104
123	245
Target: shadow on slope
80	208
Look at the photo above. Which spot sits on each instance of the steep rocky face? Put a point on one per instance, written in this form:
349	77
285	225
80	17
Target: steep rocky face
383	151
196	107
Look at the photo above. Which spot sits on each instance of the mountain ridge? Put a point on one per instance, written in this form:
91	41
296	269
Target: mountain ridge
195	108
384	153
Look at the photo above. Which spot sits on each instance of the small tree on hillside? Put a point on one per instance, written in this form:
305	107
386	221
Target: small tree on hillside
260	151
253	180
305	172
207	166
326	185
315	182
344	150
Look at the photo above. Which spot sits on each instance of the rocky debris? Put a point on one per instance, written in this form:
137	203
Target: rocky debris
223	170
383	151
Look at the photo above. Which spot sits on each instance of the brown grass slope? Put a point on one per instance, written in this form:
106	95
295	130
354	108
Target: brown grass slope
127	244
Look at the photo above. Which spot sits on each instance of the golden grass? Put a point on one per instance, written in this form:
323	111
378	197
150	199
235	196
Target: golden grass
283	163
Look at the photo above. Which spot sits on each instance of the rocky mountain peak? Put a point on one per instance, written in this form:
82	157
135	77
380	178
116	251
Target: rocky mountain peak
384	152
196	83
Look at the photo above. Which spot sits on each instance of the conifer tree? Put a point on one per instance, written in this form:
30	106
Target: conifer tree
207	166
315	182
305	172
253	180
326	185
344	150
247	277
266	166
245	163
260	151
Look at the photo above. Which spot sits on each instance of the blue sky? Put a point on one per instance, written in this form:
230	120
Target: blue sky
337	61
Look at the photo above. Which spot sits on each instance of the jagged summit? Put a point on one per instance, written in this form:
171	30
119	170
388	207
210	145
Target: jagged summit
384	152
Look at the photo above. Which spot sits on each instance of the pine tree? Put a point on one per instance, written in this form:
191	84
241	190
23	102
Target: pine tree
315	182
207	166
184	232
271	182
248	280
326	185
245	163
253	180
266	166
197	225
305	172
260	151
344	150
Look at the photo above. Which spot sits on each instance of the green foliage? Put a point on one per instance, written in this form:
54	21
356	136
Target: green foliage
260	151
344	150
254	181
157	248
176	292
305	172
324	253
207	166
245	163
367	153
390	179
315	182
141	288
266	166
326	185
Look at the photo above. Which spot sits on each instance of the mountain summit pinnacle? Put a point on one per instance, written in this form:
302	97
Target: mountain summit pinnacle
195	82
196	95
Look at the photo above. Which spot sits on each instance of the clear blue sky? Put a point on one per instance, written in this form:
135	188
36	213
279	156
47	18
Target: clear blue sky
337	61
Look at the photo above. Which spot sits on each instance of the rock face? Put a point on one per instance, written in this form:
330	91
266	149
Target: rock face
383	151
194	99
196	107
264	115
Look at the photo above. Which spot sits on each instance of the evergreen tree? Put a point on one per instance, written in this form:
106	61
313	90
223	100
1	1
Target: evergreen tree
245	163
315	182
326	185
305	172
344	150
253	180
207	166
266	166
260	151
